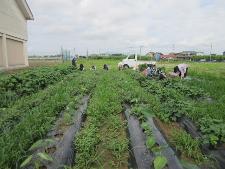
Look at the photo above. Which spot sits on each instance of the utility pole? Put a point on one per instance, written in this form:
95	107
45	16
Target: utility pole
211	52
62	54
87	53
141	50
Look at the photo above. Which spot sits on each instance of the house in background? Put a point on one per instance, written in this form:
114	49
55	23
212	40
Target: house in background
224	53
13	33
153	55
170	56
186	55
200	54
150	54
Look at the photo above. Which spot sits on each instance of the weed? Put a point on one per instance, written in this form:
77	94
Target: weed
187	145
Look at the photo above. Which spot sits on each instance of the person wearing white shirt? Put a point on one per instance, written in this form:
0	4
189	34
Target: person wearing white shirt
181	70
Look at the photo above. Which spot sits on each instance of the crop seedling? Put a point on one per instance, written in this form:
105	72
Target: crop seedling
160	162
36	160
145	126
150	143
41	143
213	140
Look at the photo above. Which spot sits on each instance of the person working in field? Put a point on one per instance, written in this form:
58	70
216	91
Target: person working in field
74	61
81	67
93	67
153	72
180	70
105	67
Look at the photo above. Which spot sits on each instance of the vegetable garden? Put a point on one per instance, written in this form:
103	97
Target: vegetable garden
59	117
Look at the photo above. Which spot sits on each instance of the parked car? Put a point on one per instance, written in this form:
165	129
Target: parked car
132	62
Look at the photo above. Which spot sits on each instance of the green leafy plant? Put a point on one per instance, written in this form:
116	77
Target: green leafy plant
26	162
182	87
36	160
67	118
147	129
160	162
213	130
45	156
41	143
213	140
142	111
150	143
27	82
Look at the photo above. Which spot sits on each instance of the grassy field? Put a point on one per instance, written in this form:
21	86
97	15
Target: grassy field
33	98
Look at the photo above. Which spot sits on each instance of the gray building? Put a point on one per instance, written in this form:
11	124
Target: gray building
186	54
224	53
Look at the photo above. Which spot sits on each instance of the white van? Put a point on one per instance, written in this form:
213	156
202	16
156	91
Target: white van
132	62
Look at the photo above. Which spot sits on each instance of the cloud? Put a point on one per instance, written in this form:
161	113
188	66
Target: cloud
115	25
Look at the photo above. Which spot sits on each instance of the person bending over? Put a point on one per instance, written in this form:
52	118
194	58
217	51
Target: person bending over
181	70
93	67
81	67
105	67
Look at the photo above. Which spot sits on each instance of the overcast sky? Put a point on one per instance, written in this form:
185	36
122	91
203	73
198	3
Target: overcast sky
124	25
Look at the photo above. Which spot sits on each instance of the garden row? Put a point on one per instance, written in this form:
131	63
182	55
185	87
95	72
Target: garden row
177	101
103	142
104	126
27	82
31	117
12	115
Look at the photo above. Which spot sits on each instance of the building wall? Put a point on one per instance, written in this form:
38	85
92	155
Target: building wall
13	29
15	52
1	52
12	20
